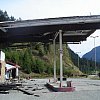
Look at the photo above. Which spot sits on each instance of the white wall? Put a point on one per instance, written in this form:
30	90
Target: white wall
2	56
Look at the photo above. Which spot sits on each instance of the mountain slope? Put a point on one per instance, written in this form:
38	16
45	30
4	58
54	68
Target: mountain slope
39	59
91	55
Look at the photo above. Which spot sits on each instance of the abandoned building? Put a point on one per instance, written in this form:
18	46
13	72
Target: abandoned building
7	69
11	70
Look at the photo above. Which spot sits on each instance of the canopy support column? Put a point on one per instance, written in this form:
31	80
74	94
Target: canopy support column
54	44
54	60
61	54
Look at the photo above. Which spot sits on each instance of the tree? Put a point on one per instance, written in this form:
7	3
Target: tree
4	16
27	62
38	66
12	18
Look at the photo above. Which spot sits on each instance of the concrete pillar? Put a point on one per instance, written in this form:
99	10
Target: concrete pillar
17	72
2	65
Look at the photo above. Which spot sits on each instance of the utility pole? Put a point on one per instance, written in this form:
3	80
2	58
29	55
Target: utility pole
94	37
78	61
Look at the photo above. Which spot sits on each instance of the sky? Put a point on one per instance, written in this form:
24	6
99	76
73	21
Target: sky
38	9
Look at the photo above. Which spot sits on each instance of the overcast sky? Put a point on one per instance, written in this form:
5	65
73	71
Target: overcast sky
36	9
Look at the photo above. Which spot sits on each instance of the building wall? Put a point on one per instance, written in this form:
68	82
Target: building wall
2	65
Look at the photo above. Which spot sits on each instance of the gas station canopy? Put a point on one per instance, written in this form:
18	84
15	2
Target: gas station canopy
70	29
74	29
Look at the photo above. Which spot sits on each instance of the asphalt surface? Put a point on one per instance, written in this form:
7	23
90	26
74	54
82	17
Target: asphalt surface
86	89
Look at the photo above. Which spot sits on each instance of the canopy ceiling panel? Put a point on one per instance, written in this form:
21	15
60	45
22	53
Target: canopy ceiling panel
74	29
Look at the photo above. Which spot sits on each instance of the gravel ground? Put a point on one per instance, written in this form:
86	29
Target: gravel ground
86	89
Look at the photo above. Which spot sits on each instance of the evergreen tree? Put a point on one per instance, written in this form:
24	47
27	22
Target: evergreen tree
27	61
4	16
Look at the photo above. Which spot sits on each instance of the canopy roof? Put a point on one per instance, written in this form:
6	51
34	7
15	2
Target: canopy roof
10	66
74	29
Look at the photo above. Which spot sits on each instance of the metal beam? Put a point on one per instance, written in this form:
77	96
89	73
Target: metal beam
3	29
54	43
54	60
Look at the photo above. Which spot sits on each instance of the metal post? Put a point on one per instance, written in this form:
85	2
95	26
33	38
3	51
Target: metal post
54	43
95	56
95	53
61	54
78	62
54	60
87	68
